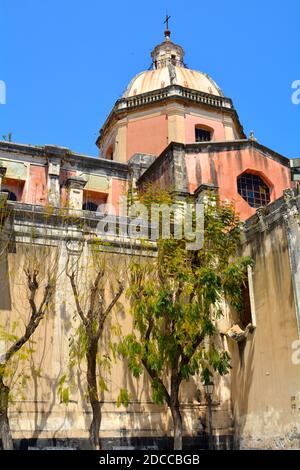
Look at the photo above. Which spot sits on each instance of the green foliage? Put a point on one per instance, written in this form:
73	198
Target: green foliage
7	336
132	349
78	346
158	392
123	398
177	298
63	389
102	385
234	278
17	371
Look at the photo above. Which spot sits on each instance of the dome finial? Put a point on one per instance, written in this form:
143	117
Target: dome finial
166	22
167	53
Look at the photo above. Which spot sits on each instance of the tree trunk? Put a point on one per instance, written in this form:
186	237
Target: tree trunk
177	423
175	409
93	394
5	433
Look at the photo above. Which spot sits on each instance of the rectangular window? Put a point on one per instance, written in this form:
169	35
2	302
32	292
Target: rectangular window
248	314
202	135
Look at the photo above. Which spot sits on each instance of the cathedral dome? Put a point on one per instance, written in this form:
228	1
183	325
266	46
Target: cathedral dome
168	69
155	79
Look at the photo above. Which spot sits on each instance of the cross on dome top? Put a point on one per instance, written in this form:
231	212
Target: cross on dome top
167	53
166	22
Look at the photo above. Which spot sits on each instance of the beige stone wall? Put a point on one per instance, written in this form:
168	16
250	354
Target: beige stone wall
37	412
265	382
259	399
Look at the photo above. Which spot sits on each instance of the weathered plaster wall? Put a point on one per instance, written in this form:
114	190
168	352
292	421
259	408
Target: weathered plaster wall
222	169
211	164
39	414
37	185
118	189
15	186
38	175
150	131
148	134
203	119
265	382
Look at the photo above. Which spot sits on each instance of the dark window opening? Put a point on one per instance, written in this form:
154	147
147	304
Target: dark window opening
253	189
110	153
90	206
11	196
245	319
246	316
202	135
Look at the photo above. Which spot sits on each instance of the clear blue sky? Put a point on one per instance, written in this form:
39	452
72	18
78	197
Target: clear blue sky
65	62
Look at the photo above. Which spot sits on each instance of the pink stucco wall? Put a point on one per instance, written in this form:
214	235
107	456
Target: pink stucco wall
37	185
223	168
149	135
118	188
15	186
192	121
94	196
64	175
37	189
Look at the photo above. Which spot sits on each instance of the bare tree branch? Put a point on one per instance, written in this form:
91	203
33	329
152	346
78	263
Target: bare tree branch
36	314
76	297
103	315
94	291
33	285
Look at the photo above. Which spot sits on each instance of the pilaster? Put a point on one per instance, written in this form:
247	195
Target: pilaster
75	185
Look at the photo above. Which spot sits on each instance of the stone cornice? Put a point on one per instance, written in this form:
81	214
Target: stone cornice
228	145
209	147
75	182
159	97
66	157
285	209
53	225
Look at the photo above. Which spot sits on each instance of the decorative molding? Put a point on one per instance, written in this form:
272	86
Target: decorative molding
76	182
162	95
69	160
291	215
176	147
261	213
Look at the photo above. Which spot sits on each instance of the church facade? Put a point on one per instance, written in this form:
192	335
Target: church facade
174	127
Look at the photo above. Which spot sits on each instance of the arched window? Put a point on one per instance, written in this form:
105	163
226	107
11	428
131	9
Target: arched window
110	153
90	206
10	195
253	189
203	134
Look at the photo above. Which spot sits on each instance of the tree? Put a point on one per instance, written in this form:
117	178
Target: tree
93	312
176	301
39	285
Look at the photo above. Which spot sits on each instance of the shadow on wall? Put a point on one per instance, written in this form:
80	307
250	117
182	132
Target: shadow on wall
51	383
241	379
5	297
